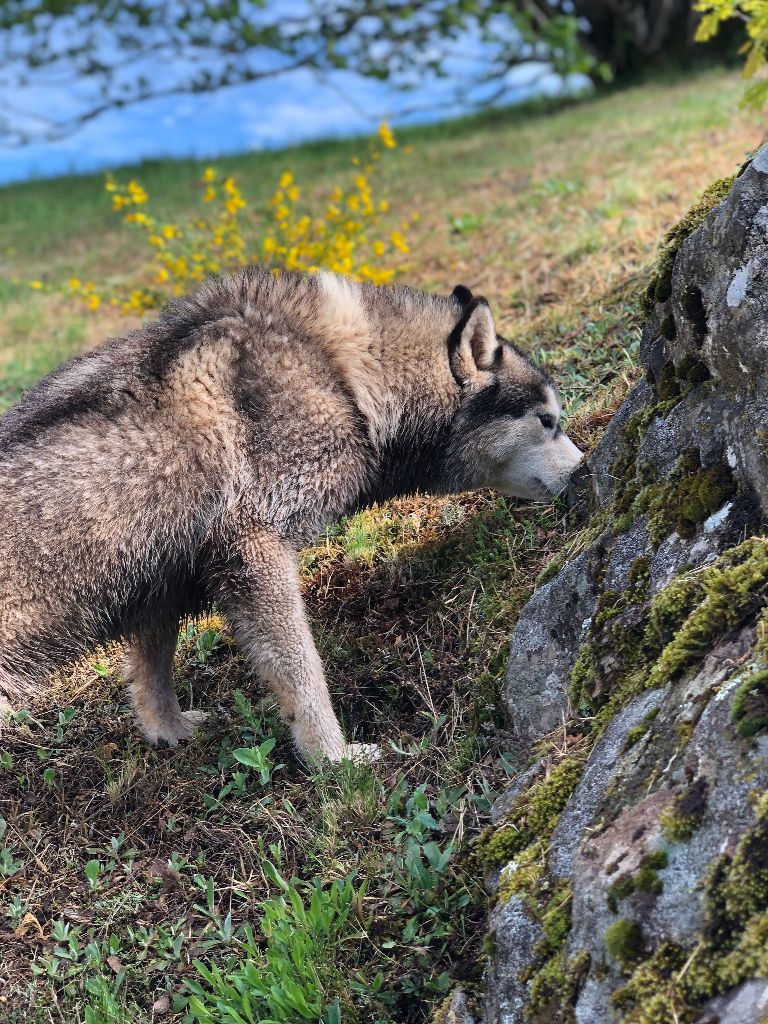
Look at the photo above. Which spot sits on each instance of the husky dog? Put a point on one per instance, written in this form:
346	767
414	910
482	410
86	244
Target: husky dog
184	464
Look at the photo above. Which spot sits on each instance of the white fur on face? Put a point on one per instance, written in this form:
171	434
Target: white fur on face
528	458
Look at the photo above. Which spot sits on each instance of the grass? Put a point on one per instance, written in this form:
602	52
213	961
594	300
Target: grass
139	884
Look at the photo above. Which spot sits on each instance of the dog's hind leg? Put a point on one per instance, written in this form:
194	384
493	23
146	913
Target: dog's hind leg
149	673
259	591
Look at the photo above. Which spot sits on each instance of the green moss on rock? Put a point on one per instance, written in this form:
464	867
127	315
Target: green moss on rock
689	497
651	996
530	868
550	570
619	890
749	957
639	576
636	733
749	707
645	879
673	982
680	503
740	890
624	942
660	285
631	647
533	816
555	988
686	813
556	917
709	603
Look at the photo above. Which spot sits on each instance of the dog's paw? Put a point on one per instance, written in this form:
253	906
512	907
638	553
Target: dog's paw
170	732
362	753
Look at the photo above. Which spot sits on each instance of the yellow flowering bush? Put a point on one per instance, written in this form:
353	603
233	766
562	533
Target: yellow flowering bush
346	238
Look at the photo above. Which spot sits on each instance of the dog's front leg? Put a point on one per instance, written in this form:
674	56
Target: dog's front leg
258	590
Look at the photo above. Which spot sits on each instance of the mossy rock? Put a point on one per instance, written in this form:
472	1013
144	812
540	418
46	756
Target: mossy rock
682	819
660	285
624	942
749	708
532	818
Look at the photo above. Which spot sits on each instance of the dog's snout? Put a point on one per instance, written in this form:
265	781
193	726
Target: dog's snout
573	455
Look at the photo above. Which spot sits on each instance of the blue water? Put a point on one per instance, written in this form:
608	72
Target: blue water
270	113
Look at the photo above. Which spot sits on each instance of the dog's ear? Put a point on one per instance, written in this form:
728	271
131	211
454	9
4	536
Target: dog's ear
472	343
462	293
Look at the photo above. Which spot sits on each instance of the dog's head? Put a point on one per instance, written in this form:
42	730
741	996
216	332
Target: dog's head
507	433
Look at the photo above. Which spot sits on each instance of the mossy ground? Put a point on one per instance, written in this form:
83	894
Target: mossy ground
413	602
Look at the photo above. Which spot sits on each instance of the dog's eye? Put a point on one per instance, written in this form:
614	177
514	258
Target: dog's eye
547	421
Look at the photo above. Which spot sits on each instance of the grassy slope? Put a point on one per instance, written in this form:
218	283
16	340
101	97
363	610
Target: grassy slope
554	217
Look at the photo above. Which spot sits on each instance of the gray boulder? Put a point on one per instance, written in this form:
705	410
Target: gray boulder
632	871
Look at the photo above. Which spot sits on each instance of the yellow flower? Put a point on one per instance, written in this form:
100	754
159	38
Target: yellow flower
37	285
74	283
386	136
335	240
398	241
137	193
